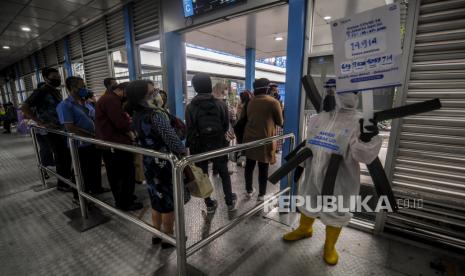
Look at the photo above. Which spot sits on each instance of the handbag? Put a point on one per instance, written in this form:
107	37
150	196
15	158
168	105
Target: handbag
200	186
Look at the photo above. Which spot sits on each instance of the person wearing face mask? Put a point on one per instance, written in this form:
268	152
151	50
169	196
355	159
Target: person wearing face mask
155	132
113	124
164	97
263	113
157	99
40	107
207	121
340	131
75	117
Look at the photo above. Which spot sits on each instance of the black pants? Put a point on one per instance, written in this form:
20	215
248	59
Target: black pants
121	176
221	165
7	126
262	176
45	152
62	156
91	165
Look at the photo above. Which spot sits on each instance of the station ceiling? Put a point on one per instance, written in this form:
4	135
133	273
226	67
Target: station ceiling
48	20
259	30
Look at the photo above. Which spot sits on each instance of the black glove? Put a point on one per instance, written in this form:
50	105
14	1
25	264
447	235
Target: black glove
329	103
373	131
298	173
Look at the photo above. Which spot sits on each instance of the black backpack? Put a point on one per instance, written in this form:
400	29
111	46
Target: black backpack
208	120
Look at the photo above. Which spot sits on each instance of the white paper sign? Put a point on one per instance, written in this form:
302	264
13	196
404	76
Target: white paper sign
367	49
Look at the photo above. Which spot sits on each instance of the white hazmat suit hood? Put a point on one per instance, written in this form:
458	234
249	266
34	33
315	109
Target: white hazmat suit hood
335	132
347	100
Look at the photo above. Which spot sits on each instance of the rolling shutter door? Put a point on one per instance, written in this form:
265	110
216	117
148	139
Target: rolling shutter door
430	162
115	29
75	46
40	59
93	38
94	49
26	66
95	70
146	19
50	53
60	48
28	84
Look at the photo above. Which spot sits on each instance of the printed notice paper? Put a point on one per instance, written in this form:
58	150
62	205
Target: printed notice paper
367	49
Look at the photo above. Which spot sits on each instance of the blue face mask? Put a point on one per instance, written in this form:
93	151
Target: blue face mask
83	93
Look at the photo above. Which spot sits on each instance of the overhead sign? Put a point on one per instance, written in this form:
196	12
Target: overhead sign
196	7
367	49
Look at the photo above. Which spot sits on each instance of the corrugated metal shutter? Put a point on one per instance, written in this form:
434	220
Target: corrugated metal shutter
74	40
430	161
115	29
60	48
50	52
93	38
28	84
41	59
94	49
96	69
145	19
26	66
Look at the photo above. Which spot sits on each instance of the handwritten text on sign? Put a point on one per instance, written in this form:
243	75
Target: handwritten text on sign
367	49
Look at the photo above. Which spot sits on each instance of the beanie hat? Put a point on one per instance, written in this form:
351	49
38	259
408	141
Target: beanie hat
202	83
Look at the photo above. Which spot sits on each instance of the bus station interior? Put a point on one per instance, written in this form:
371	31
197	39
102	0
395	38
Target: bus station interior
423	155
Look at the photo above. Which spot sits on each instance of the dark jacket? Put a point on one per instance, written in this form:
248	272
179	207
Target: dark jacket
10	113
111	122
193	108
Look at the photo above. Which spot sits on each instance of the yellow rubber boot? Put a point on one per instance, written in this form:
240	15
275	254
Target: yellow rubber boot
304	230
330	254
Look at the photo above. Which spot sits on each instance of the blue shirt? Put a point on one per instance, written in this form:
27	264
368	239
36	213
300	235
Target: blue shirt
71	112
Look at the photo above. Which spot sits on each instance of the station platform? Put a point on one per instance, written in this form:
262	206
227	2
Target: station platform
35	238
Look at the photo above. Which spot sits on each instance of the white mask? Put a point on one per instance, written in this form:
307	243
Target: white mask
158	100
347	100
150	104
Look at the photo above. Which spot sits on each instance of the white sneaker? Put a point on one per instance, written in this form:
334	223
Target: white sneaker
261	198
250	194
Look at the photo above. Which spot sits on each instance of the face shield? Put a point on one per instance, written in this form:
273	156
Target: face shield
347	100
329	100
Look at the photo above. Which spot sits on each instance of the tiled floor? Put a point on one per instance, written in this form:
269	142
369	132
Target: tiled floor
35	238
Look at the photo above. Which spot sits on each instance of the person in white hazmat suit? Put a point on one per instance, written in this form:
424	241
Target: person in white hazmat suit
340	131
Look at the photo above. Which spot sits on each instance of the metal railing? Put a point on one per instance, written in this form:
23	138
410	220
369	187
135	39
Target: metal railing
177	166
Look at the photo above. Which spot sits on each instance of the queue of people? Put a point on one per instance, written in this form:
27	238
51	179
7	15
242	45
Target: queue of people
135	113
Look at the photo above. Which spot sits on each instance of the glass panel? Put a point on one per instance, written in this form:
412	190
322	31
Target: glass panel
78	69
120	64
150	62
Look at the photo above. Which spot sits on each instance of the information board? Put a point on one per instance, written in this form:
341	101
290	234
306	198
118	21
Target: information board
367	49
195	7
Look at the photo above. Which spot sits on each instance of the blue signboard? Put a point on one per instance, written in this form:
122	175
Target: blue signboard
188	8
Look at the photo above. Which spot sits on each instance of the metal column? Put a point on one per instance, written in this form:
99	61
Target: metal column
249	68
295	59
67	64
175	60
128	36
36	67
19	91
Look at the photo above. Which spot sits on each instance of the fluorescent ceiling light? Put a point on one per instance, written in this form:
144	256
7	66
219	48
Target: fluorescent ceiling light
26	29
327	17
278	38
6	47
